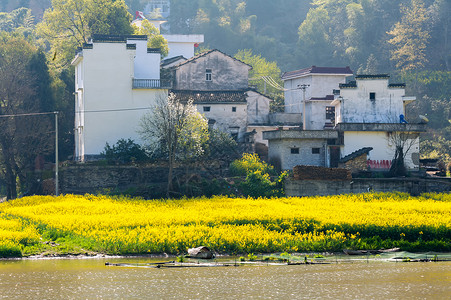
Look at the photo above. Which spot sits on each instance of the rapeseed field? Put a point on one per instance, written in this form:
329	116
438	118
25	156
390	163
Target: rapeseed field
122	225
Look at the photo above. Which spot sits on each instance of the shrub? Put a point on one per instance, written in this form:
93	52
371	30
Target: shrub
258	181
250	163
9	249
124	152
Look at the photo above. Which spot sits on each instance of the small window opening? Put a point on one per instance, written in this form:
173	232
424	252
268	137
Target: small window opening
294	150
372	96
208	74
315	150
330	113
206	108
233	108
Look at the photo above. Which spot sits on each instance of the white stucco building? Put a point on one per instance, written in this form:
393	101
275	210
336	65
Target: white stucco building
117	80
370	113
365	115
311	90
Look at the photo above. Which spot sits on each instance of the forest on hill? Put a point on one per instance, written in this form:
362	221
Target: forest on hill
408	39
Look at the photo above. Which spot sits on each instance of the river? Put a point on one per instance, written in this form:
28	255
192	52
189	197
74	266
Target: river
91	279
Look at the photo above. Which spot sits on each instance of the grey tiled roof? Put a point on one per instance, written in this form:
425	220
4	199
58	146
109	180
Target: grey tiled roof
328	98
171	60
211	96
356	154
317	70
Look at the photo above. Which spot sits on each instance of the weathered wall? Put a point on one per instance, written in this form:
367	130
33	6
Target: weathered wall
414	186
225	118
356	106
280	150
257	108
86	178
227	73
320	86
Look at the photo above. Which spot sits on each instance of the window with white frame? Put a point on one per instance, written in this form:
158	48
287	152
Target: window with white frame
208	74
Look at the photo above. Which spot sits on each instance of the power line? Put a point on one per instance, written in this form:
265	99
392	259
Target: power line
28	114
113	110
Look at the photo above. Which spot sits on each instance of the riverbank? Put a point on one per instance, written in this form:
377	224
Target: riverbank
89	225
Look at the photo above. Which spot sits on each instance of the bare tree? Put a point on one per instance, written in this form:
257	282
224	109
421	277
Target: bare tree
403	138
176	129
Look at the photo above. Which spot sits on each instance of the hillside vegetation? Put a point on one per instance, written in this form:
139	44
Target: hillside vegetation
408	39
120	225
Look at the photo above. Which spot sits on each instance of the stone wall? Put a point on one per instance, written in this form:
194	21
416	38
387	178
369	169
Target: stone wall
320	173
414	186
87	178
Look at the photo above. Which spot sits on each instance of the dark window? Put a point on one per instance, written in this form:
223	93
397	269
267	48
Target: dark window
372	96
315	150
206	108
330	113
233	108
208	74
294	150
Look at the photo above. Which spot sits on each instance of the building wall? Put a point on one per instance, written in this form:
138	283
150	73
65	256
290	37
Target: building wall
182	44
356	106
259	129
226	73
146	65
107	108
226	119
280	153
320	86
316	114
257	108
383	148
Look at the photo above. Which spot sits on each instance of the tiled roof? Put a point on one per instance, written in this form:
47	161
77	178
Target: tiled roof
356	154
351	84
397	85
171	60
373	76
99	38
327	98
317	70
211	96
205	54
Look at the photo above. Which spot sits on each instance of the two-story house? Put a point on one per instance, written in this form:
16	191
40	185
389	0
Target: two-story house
370	112
117	80
310	90
218	85
367	120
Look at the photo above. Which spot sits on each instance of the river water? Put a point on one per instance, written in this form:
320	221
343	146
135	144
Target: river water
91	279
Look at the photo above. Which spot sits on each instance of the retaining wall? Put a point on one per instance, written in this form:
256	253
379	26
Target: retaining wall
414	186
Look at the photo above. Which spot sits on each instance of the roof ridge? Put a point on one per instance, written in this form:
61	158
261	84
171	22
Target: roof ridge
356	154
206	53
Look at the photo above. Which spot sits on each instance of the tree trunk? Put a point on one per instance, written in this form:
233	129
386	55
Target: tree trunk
170	171
10	177
397	168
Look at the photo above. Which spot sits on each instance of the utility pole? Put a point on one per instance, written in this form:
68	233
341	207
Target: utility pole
56	155
303	87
